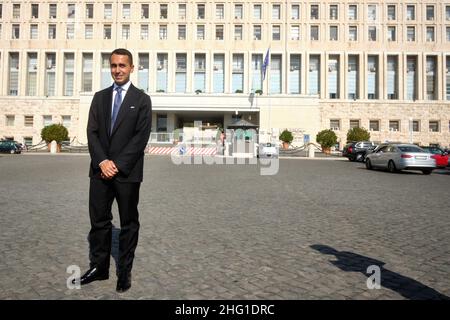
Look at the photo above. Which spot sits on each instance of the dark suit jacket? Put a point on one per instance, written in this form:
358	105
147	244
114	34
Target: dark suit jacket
126	144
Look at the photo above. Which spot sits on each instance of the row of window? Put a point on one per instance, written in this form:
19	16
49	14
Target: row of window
392	125
332	12
393	78
238	32
28	120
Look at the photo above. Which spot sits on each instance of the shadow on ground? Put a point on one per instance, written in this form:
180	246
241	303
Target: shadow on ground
405	286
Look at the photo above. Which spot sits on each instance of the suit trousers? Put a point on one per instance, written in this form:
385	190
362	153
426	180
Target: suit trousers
101	196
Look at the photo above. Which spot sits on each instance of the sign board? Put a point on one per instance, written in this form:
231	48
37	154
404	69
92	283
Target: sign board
306	138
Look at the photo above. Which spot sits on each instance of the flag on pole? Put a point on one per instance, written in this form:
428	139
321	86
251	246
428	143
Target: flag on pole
265	64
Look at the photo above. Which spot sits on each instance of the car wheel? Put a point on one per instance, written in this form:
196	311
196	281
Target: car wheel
391	167
351	159
427	172
359	157
368	165
12	151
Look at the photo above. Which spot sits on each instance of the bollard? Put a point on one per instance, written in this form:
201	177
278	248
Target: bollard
53	146
311	151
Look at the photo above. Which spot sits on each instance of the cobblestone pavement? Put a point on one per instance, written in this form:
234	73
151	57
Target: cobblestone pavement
226	232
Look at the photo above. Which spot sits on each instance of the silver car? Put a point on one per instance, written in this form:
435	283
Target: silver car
395	157
267	150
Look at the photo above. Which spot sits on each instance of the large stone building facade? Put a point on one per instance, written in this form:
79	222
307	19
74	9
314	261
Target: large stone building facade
382	65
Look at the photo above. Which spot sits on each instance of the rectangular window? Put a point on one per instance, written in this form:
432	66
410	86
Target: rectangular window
372	77
353	33
333	33
416	126
145	11
447	12
447	77
161	123
162	72
257	11
10	119
182	11
201	11
52	10
200	72
238	73
107	11
238	11
15	31
47	120
391	33
13	81
275	73
394	125
372	33
295	32
220	13
276	12
126	10
411	77
334	12
144	31
276	33
256	71
143	71
314	13
410	12
52	31
105	75
71	10
50	74
431	76
125	32
33	31
238	32
86	82
70	31
353	12
433	126
181	32
69	71
219	73
314	33
314	74
392	77
430	34
430	13
353	77
335	124
163	32
374	125
411	33
257	32
32	74
372	12
66	121
333	77
219	32
294	74
89	10
447	34
180	72
391	12
295	12
28	121
16	11
34	11
107	31
163	11
89	31
354	124
201	32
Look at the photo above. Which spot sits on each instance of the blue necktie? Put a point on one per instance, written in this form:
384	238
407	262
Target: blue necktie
116	107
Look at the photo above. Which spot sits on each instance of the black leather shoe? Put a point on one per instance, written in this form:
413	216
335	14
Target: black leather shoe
93	274
123	282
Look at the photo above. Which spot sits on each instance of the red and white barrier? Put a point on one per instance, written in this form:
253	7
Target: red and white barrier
209	151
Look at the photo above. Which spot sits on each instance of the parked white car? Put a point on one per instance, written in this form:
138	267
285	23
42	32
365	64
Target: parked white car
268	150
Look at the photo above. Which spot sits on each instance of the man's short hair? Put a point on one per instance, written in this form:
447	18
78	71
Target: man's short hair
122	52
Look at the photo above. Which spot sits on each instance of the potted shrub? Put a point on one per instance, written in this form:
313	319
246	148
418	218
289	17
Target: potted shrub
358	134
259	91
287	137
326	138
198	91
238	91
55	132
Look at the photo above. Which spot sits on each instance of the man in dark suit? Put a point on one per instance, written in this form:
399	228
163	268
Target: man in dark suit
118	130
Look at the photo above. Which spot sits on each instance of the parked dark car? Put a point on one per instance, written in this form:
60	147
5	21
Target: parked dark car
356	151
8	146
